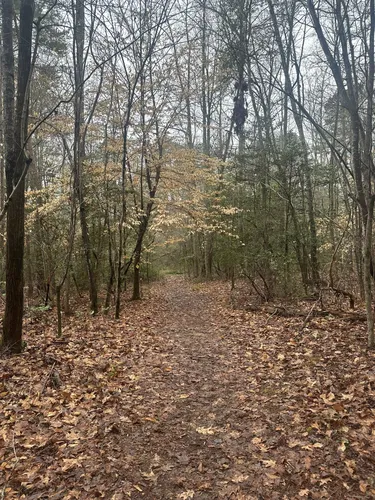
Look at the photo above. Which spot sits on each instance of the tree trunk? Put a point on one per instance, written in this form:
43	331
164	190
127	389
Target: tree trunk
138	252
67	308
79	153
16	163
367	275
58	306
2	180
137	277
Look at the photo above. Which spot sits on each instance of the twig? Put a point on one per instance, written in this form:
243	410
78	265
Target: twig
2	494
271	316
47	378
309	316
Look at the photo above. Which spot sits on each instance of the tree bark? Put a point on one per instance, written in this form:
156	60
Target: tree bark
16	163
79	149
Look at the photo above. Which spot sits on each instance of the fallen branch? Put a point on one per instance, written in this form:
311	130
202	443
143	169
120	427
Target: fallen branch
49	375
339	291
2	494
282	312
307	319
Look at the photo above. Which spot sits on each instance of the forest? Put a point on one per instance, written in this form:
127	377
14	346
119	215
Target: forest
186	249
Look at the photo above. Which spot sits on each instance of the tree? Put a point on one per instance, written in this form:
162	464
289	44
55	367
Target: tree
79	144
17	162
350	58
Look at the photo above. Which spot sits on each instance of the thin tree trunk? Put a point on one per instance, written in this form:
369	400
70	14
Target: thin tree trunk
138	248
67	308
367	253
59	315
2	180
137	277
79	153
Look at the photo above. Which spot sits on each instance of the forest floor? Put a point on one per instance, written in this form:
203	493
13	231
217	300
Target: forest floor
186	398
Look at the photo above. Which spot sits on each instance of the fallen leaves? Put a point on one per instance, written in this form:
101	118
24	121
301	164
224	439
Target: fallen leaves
186	495
206	431
303	493
171	403
363	486
328	398
150	476
269	463
239	478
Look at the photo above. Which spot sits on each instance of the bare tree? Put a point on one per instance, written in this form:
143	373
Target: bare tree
79	145
346	63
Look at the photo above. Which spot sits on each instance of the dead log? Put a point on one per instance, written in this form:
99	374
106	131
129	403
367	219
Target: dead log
283	312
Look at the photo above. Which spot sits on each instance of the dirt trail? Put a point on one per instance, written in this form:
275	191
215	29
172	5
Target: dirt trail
212	411
185	398
198	411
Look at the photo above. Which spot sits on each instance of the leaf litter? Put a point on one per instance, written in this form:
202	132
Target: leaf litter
185	397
